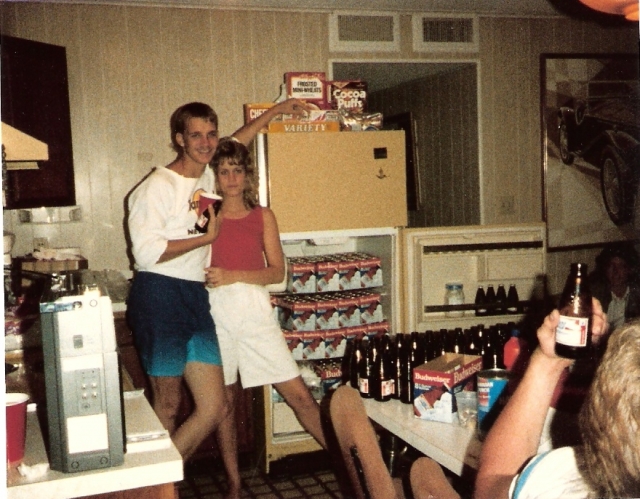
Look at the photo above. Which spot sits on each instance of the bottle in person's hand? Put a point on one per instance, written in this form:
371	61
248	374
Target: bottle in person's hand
573	334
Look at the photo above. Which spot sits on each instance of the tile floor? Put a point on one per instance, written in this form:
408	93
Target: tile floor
205	479
296	477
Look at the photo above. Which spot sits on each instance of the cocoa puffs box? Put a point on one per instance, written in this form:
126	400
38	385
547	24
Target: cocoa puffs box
437	381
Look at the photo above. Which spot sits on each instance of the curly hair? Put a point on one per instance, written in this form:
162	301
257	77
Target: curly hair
610	418
181	116
236	153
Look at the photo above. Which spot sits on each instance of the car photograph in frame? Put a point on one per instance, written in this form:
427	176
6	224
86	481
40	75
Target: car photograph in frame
590	148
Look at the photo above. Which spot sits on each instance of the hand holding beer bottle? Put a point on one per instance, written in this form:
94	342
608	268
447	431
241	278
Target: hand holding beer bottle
573	334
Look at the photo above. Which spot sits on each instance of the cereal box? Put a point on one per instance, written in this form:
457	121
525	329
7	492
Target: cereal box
308	86
347	94
252	111
437	381
312	121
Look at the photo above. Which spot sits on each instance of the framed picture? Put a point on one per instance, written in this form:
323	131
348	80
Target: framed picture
590	148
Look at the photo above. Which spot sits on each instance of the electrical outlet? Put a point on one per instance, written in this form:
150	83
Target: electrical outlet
40	243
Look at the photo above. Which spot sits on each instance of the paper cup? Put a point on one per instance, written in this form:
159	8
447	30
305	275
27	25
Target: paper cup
16	405
206	199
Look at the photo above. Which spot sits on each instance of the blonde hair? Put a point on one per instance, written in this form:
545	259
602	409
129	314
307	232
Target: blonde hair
610	418
236	153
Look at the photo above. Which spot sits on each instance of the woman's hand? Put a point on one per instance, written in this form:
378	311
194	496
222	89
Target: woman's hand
216	276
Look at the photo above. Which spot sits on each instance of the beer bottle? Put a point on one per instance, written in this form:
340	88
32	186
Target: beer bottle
573	334
491	300
513	301
501	300
356	363
481	302
459	341
384	380
429	346
412	358
364	373
442	346
373	350
396	363
345	365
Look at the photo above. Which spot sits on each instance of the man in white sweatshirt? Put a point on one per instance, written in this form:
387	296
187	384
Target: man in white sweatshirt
168	306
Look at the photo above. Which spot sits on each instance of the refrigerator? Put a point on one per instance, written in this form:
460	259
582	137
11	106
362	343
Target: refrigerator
333	193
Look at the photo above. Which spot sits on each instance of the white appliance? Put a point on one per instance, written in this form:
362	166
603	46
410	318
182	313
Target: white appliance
82	377
332	192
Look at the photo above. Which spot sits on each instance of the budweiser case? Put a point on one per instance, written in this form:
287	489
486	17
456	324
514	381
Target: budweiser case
437	381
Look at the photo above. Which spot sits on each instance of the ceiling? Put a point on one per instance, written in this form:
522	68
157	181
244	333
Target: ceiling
486	7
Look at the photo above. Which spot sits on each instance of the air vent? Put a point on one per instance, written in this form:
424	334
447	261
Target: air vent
445	33
364	32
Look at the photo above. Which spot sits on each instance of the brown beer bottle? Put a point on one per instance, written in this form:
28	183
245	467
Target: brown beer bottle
573	334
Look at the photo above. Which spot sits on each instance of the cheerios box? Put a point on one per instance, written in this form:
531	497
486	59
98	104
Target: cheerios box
436	382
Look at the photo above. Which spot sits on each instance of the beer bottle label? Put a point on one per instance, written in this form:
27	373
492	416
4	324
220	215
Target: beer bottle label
386	388
363	385
572	331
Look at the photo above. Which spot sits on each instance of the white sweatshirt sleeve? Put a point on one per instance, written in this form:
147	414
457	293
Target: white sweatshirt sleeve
149	208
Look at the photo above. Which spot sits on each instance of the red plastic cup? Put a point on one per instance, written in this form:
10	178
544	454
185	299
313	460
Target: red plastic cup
16	404
205	200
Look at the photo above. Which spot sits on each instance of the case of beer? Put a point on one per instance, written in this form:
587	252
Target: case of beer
437	381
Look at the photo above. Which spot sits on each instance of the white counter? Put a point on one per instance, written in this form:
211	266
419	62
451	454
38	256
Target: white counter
451	445
140	469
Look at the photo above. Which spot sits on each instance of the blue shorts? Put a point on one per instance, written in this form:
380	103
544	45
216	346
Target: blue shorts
171	324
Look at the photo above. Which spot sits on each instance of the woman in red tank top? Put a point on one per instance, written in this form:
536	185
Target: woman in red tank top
246	256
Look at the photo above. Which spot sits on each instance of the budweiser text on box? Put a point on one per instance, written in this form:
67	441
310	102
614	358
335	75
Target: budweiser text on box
437	381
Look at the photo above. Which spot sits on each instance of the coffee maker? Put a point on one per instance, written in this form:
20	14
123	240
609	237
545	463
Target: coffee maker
82	377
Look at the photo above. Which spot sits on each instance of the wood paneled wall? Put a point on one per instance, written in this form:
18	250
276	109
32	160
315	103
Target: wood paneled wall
131	66
444	108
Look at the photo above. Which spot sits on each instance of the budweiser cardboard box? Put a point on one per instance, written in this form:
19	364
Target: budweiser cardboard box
295	343
334	343
297	313
302	275
314	345
327	276
437	382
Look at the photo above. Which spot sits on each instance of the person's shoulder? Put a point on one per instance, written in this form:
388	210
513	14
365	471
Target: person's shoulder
551	474
267	213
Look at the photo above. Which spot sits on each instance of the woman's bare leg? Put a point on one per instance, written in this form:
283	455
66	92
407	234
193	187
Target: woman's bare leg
306	409
227	438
